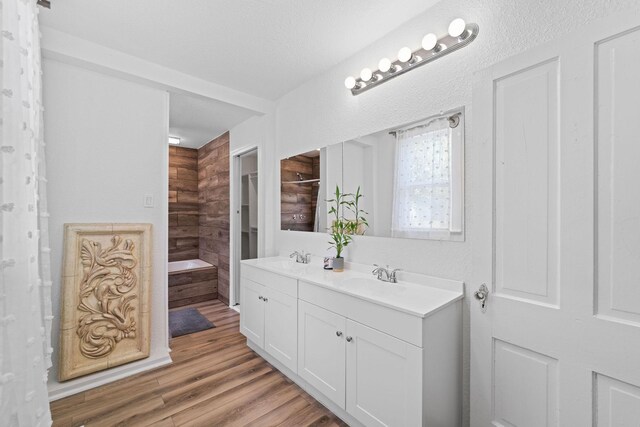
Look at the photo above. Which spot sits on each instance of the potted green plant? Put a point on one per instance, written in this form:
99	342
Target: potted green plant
342	229
358	225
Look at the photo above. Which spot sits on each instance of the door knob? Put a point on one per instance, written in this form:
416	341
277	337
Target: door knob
349	339
481	295
338	333
260	298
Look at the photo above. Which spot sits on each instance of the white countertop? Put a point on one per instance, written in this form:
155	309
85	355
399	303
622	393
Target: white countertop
415	294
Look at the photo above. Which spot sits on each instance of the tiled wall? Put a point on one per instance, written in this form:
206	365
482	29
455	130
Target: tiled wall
183	204
213	186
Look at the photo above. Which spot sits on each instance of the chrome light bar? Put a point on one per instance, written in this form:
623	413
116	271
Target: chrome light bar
460	35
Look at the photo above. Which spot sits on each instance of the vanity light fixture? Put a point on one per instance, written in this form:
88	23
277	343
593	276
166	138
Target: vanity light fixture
384	65
405	54
460	34
174	140
366	74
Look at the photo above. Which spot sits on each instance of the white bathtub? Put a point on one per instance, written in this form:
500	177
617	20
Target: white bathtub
188	265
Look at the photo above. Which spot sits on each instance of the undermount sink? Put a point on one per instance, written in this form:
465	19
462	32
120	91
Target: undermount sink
283	264
373	286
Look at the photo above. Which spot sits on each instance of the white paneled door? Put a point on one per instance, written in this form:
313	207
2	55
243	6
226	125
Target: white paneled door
557	209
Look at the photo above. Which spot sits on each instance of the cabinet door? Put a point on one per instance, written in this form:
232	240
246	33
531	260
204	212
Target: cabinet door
384	378
321	358
252	311
281	327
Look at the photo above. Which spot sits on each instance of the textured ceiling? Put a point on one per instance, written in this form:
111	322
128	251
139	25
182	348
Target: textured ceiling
262	47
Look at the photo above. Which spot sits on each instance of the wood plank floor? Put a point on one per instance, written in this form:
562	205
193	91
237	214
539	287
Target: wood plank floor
214	380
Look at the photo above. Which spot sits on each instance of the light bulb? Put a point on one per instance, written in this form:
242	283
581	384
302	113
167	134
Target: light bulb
384	65
366	74
457	27
429	41
350	82
404	55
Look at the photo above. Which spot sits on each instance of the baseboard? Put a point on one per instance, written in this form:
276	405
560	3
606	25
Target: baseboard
317	395
60	390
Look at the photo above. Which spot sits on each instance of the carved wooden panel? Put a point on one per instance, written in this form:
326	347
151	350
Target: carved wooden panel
105	297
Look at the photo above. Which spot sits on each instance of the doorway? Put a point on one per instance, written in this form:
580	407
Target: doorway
245	229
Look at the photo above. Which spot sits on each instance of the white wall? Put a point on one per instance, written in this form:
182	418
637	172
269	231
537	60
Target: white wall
370	163
106	148
259	132
323	112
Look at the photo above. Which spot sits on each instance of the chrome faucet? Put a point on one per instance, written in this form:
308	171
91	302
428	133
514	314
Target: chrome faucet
303	258
385	274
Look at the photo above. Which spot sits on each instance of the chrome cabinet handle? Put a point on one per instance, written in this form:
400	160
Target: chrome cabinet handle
349	339
339	333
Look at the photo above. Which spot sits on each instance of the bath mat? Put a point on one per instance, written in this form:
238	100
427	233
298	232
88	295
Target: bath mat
187	321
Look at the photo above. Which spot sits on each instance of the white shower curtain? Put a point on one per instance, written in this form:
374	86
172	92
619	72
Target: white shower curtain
25	302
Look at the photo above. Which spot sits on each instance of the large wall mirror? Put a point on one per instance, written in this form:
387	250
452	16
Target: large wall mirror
411	176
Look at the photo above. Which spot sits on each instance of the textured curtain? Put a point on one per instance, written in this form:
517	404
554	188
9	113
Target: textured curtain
422	185
25	309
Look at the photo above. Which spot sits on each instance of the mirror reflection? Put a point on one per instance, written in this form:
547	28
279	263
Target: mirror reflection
305	179
411	177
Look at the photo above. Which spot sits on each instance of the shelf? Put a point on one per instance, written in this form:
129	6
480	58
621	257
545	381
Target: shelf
306	181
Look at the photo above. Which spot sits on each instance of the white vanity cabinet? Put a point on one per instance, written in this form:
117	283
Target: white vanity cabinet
374	376
321	350
252	318
384	378
280	318
269	314
376	354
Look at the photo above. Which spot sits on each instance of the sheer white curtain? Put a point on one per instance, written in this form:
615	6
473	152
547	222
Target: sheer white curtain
422	186
25	309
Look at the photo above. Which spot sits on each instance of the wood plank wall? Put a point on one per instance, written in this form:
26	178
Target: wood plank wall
213	195
298	199
183	204
192	287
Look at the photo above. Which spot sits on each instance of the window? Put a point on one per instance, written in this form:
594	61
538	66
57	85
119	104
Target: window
428	195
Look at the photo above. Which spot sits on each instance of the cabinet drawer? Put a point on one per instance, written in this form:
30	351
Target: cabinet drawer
393	322
284	284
